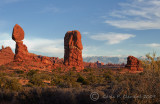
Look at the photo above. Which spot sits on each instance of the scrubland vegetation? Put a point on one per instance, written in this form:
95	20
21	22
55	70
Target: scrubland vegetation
71	87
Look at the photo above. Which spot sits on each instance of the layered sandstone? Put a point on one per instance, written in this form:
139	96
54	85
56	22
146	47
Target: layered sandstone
6	55
134	64
73	49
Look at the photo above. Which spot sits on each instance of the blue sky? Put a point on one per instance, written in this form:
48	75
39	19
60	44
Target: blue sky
108	27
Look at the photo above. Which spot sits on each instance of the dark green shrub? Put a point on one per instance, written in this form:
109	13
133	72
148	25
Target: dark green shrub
19	71
87	70
74	68
109	76
83	80
9	83
36	80
32	72
80	79
59	69
2	67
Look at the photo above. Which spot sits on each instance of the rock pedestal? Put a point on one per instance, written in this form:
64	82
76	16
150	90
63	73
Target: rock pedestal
134	64
21	51
73	49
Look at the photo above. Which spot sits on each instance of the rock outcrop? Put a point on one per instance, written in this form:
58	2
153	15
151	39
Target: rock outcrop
73	49
90	65
100	64
6	55
133	64
21	52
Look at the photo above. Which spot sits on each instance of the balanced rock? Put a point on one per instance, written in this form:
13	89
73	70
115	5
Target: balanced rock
6	55
18	33
73	49
134	64
21	52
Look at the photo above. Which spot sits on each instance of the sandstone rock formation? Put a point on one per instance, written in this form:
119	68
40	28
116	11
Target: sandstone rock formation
90	65
99	64
73	49
46	60
6	55
133	64
21	52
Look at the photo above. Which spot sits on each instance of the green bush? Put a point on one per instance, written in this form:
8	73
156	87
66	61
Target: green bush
9	83
32	72
83	80
109	76
80	79
74	68
2	67
36	80
87	70
19	71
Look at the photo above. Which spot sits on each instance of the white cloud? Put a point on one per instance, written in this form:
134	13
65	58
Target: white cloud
48	47
112	38
85	33
137	14
153	45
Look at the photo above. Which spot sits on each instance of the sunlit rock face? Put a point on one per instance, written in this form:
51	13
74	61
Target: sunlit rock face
134	64
21	51
6	55
73	49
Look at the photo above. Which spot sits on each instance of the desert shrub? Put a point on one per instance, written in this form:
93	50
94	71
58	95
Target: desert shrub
145	86
82	80
9	83
56	80
36	80
2	67
87	70
73	68
68	80
119	77
92	78
151	63
6	96
109	76
2	74
56	96
59	69
19	71
32	72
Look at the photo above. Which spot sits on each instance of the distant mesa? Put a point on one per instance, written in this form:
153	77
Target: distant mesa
73	49
133	64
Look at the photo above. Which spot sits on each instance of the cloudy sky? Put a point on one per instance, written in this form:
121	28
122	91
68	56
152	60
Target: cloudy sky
108	27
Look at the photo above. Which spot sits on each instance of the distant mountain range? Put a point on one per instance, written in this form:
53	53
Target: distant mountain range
106	59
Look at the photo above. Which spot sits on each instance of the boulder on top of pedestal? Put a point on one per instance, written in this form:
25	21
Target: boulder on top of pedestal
18	33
